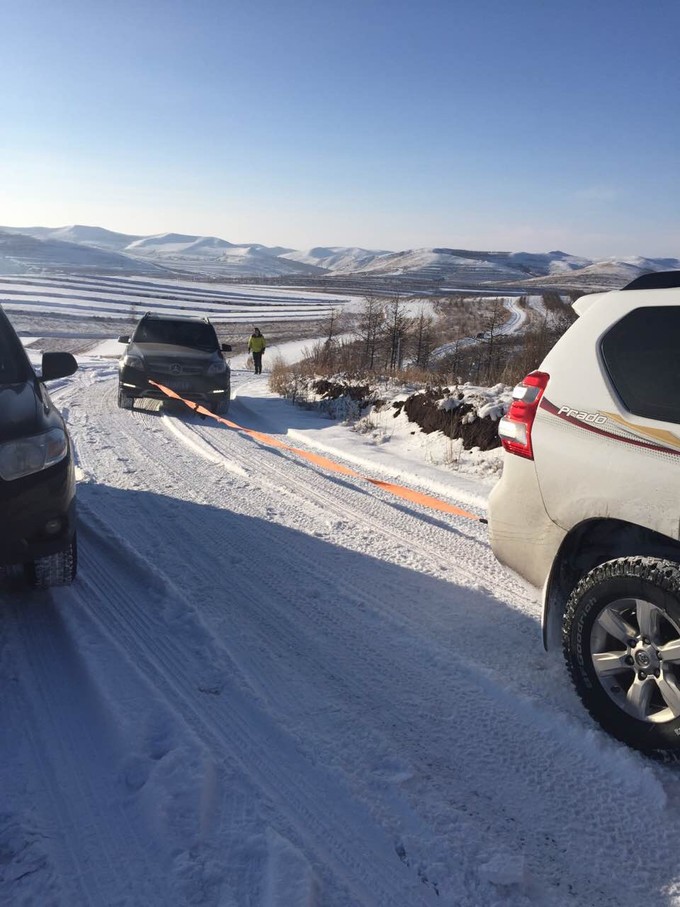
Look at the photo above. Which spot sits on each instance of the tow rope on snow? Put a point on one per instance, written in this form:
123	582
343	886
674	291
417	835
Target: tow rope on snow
401	491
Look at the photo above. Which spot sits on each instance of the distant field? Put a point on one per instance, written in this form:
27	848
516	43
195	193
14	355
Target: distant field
29	299
78	313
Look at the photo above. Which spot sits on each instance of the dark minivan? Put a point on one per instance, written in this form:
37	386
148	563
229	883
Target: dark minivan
37	479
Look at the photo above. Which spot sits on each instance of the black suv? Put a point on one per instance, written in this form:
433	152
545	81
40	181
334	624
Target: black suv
183	354
37	481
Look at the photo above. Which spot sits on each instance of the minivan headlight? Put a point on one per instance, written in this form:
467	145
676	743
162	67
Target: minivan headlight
28	455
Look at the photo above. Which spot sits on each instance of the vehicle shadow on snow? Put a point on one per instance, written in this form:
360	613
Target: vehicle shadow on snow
391	677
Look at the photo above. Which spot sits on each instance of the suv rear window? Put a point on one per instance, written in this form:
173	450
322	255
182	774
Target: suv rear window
14	366
194	334
642	355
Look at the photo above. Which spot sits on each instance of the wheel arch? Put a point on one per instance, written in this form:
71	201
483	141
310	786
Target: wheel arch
586	546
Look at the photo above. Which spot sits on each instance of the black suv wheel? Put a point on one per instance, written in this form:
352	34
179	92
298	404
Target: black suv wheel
124	401
57	569
621	641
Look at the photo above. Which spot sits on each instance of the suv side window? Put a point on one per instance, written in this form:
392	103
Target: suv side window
642	356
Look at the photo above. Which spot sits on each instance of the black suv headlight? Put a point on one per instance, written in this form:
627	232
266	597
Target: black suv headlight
28	455
133	361
218	367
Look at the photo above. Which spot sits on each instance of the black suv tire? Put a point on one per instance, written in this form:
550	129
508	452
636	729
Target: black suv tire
125	401
221	408
57	569
621	641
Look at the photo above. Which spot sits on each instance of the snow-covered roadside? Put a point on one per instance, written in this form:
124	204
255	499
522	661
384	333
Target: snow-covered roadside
389	445
384	441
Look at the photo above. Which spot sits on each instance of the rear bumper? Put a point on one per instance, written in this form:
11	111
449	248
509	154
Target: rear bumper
522	535
38	514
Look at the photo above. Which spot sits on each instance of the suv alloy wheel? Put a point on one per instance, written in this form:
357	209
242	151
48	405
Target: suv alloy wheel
621	639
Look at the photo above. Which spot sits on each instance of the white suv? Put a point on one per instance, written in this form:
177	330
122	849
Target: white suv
588	506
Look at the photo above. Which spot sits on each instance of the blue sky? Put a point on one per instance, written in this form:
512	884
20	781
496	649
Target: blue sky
497	124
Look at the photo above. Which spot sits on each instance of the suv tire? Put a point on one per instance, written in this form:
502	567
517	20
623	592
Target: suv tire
621	641
124	401
57	569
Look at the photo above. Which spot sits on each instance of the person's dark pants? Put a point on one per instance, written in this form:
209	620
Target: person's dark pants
257	362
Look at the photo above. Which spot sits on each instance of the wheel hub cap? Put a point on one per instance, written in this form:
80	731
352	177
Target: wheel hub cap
635	647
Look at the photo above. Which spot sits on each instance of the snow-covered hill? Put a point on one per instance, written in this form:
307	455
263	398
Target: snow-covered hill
179	244
211	256
470	267
24	254
338	259
610	274
77	233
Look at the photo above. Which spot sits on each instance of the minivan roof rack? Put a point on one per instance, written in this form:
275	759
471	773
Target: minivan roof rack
655	280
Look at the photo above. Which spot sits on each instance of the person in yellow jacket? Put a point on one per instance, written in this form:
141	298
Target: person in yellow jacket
256	346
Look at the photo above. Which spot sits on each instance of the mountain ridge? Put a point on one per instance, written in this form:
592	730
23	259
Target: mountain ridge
94	248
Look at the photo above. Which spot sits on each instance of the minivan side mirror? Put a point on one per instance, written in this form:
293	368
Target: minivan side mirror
123	338
57	365
225	347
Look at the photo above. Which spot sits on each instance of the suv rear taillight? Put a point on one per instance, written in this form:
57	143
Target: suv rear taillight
514	429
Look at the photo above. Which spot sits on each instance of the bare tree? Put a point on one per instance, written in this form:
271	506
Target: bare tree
397	325
371	320
493	322
423	334
329	345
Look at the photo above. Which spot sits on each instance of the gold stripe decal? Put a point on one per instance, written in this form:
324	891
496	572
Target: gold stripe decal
657	434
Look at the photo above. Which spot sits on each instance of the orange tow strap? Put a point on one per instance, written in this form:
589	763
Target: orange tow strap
401	491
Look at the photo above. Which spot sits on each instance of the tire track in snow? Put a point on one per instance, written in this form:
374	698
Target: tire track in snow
311	803
284	473
365	686
74	752
548	770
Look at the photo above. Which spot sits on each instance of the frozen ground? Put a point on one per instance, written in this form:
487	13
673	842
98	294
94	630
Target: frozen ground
273	685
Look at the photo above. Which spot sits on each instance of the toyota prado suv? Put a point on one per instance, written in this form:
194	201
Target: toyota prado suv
181	353
588	506
37	480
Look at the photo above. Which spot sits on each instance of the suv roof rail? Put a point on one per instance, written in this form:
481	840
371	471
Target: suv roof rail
655	280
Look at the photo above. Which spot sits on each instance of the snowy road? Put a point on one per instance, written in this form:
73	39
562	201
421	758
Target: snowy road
271	685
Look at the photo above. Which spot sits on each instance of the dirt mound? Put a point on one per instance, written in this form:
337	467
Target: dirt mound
453	411
333	390
436	410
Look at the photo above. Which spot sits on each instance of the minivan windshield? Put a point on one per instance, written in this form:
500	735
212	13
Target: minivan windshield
195	334
14	365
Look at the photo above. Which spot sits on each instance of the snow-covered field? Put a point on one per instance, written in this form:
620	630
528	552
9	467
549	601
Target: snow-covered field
125	297
274	685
